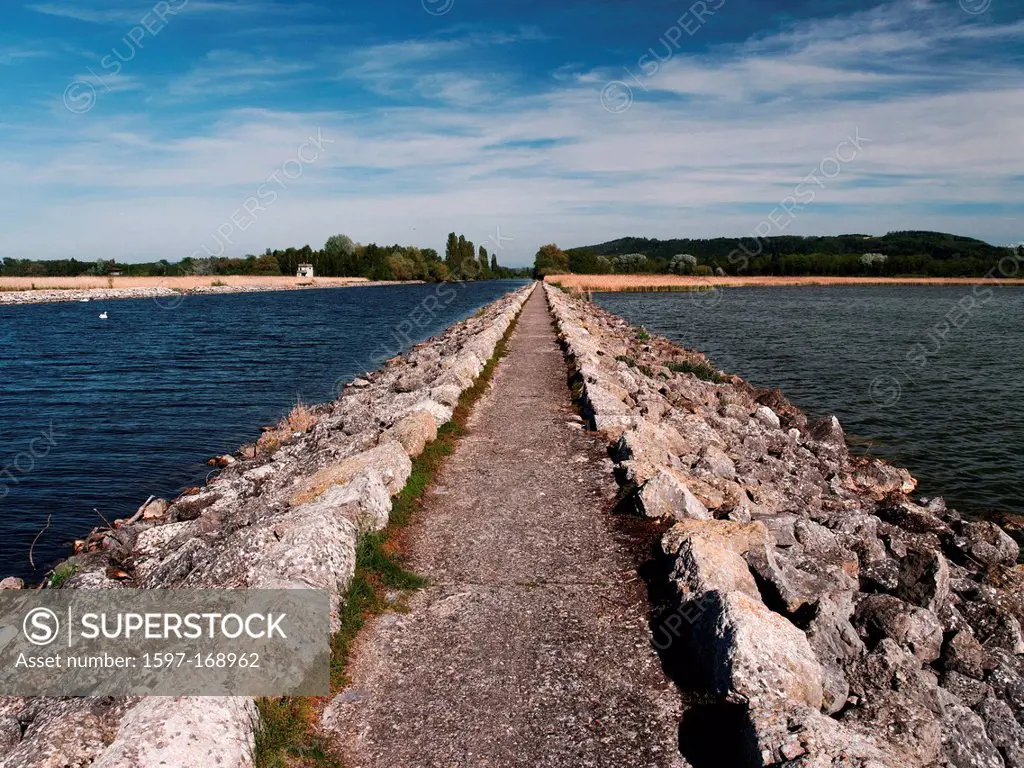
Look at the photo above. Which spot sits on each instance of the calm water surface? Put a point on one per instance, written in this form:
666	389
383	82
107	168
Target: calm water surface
906	382
99	414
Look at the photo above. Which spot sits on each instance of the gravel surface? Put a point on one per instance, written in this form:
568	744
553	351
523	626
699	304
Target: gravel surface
530	646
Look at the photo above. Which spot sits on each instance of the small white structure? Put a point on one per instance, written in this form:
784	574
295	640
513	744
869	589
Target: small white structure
305	270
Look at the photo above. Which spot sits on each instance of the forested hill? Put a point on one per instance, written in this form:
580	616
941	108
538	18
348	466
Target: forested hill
897	253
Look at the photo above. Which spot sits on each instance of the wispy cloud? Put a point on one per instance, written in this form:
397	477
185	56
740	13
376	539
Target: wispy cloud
120	13
230	73
107	15
435	69
432	133
12	56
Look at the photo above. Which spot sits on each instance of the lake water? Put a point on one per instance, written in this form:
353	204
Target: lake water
99	414
920	375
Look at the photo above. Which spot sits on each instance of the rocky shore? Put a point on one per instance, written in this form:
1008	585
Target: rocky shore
167	296
846	621
286	512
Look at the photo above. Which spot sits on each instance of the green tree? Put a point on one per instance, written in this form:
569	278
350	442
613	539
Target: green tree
451	252
485	264
550	260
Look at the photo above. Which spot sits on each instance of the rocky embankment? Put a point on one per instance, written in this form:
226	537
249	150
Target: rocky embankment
853	624
285	512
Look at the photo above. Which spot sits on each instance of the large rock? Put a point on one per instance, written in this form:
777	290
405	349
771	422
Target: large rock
652	443
1003	730
917	629
768	418
702	567
180	731
836	645
924	579
740	538
827	430
755	655
994	625
913	518
792	581
365	502
799	736
965	742
876	479
964	654
389	461
969	691
716	462
65	732
666	496
606	412
906	725
414	432
987	544
10	734
441	414
447	394
1007	680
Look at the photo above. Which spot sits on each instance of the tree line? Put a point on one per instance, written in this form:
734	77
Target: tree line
341	256
912	253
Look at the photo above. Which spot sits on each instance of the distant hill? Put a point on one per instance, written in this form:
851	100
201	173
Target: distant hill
897	253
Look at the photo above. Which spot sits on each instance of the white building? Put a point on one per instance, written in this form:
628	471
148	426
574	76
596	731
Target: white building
305	270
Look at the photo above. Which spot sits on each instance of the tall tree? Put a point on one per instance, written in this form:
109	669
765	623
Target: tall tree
451	252
485	264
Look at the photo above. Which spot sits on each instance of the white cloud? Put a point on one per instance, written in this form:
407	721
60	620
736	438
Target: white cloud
12	56
121	12
718	142
233	72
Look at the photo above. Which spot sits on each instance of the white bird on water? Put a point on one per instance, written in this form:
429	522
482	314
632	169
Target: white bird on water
103	315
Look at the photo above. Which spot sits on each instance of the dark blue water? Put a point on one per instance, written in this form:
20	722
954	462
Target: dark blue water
99	414
929	377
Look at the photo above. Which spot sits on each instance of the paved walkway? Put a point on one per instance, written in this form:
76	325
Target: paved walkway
530	645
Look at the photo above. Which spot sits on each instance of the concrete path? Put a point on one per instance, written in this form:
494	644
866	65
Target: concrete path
530	645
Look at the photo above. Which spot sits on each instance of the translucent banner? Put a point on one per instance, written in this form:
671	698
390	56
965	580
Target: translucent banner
129	642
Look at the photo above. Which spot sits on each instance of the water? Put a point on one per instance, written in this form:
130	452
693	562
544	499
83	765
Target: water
99	414
916	374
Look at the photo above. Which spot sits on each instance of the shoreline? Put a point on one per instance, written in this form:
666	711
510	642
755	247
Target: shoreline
685	283
58	290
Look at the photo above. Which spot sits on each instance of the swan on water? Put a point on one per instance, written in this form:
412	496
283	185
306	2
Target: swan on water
103	315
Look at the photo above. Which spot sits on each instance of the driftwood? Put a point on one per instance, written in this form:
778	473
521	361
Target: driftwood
31	561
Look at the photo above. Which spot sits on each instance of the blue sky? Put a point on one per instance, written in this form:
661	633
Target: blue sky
136	131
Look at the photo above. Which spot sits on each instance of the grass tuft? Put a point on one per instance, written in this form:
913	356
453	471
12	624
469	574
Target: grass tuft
299	419
700	370
285	736
61	574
